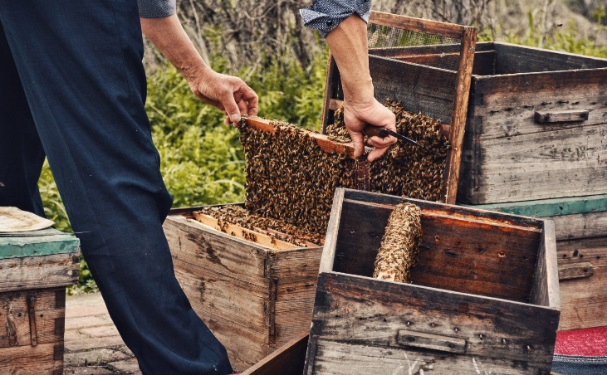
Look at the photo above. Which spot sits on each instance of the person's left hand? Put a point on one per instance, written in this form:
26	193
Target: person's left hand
228	93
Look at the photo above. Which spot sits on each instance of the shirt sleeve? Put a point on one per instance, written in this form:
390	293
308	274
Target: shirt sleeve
156	8
325	15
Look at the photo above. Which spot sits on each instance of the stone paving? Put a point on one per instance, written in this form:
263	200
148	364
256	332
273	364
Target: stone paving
92	343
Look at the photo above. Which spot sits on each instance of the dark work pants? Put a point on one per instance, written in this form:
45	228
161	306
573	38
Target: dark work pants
72	86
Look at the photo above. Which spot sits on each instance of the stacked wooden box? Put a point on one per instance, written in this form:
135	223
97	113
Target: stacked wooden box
484	296
536	137
35	269
253	297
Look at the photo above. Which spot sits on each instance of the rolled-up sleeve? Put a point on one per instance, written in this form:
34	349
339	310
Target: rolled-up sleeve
325	15
156	8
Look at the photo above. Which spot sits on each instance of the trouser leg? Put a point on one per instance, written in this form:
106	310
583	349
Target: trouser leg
21	154
80	67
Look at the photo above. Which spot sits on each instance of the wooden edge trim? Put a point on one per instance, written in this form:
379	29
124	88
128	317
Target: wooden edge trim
460	111
328	253
321	140
445	29
280	355
552	269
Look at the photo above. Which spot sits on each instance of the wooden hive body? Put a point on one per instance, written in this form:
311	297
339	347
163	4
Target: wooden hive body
536	122
485	296
581	241
252	297
35	271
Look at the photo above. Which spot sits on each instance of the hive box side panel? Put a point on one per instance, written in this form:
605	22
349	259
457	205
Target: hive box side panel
468	255
363	311
294	273
343	358
510	156
47	271
44	359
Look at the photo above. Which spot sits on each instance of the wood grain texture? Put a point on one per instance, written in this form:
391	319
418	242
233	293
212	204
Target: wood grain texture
39	360
252	297
45	271
361	311
583	300
286	360
508	157
419	25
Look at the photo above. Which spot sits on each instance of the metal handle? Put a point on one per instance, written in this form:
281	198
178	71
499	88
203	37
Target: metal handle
431	341
548	117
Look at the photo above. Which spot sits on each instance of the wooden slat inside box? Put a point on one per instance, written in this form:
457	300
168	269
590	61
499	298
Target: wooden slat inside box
35	268
581	241
477	303
536	122
254	298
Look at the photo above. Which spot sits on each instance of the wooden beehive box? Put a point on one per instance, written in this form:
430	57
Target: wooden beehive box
436	93
35	268
485	296
253	298
581	241
536	125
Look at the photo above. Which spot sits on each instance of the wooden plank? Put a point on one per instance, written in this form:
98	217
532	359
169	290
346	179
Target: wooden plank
576	271
45	271
361	311
42	359
263	239
15	329
38	243
545	288
321	140
565	163
583	300
343	358
286	360
581	225
418	24
513	58
460	109
330	248
575	115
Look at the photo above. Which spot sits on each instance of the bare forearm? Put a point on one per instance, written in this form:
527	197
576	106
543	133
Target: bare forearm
170	38
348	44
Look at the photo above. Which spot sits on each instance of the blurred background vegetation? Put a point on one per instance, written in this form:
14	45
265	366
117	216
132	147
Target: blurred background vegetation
265	43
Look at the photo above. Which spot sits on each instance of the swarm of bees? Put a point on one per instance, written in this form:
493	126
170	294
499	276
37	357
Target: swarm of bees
400	244
276	229
290	178
407	170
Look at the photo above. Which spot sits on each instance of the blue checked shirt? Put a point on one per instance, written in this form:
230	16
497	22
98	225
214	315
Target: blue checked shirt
323	15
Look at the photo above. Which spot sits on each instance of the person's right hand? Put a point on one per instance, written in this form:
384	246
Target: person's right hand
228	93
357	114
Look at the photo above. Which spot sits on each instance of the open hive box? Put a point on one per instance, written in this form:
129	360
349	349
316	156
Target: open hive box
537	121
36	267
484	296
425	96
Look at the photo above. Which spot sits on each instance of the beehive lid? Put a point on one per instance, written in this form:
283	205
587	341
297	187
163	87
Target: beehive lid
37	243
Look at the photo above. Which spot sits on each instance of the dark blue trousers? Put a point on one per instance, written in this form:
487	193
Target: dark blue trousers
72	87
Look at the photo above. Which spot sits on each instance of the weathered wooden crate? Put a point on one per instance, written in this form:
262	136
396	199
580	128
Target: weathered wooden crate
484	300
536	123
253	298
35	269
581	241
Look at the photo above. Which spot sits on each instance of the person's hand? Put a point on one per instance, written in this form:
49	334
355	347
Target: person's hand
357	115
228	93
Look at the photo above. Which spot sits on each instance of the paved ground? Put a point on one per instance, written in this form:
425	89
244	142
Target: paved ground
92	343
